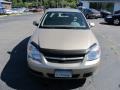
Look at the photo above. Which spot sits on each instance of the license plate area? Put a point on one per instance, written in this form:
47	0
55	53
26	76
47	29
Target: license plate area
63	73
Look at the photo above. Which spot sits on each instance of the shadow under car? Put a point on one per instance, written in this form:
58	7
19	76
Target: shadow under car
15	73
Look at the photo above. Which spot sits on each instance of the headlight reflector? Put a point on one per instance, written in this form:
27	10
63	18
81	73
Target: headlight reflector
93	53
34	53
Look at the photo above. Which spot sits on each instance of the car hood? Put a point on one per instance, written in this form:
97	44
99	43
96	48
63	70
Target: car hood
63	39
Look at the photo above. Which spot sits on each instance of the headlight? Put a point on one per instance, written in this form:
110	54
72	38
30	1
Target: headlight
109	16
93	53
34	53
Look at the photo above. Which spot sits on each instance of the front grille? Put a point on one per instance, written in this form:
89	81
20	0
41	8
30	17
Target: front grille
62	56
64	60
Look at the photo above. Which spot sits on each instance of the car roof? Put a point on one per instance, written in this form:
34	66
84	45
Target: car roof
62	10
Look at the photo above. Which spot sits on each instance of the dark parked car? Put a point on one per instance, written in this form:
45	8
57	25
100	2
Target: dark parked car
91	13
117	12
105	13
113	19
35	9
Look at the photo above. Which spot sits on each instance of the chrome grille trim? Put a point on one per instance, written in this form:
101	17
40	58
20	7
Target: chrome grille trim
58	58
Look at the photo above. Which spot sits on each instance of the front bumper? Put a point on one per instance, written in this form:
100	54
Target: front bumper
109	20
79	70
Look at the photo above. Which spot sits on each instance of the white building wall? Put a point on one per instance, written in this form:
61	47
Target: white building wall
117	6
86	4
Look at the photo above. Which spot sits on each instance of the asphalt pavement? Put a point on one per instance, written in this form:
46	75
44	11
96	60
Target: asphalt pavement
15	32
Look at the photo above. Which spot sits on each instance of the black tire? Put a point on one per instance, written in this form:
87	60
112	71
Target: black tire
116	21
82	81
96	17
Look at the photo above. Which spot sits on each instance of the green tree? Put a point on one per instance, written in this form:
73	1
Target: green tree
46	3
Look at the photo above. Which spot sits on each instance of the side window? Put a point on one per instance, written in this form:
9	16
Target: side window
85	11
90	11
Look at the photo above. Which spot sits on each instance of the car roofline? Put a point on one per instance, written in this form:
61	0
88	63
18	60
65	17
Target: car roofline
62	10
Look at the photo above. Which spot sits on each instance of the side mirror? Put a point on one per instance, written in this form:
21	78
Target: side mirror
35	23
92	24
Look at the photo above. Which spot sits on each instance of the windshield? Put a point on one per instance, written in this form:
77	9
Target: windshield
64	20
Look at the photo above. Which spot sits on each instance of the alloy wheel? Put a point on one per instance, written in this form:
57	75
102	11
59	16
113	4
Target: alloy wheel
116	21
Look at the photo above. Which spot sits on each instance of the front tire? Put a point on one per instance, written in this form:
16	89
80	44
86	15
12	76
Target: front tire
96	17
82	81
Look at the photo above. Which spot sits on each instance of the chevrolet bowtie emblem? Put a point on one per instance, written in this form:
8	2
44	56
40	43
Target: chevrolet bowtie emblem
63	58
